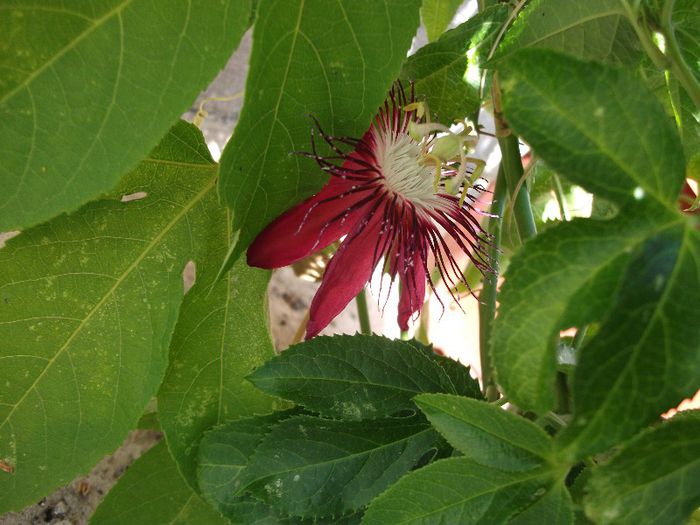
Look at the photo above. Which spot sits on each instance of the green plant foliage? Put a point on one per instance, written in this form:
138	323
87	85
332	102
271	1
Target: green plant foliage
486	433
457	490
221	335
333	60
555	507
686	28
98	335
361	377
447	74
88	302
643	173
436	15
653	320
152	492
590	30
564	108
224	453
308	466
654	479
88	89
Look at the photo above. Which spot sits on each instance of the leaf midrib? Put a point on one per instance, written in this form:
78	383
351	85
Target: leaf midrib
348	457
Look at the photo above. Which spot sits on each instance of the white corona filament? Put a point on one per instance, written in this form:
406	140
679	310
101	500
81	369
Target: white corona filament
400	161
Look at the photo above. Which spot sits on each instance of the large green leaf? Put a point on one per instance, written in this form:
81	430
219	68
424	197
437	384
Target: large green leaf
221	335
591	30
87	89
88	303
457	490
152	492
437	14
308	466
361	377
654	480
446	73
333	60
566	276
596	125
646	356
486	433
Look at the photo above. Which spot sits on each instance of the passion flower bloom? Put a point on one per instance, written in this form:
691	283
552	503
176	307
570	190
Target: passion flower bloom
385	198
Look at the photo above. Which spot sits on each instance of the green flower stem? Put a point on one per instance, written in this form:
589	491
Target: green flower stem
561	198
422	331
362	313
487	297
579	337
513	171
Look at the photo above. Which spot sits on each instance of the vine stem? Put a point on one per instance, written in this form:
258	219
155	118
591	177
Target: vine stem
487	297
579	337
513	171
512	164
363	313
561	198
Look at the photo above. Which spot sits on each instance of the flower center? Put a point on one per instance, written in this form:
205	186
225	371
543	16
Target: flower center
399	158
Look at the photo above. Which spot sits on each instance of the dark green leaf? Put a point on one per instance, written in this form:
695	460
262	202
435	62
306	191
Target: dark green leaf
361	377
554	508
88	303
686	27
654	480
641	165
595	125
224	453
486	433
152	492
645	358
87	89
447	74
221	335
457	490
333	60
309	466
437	14
580	259
590	30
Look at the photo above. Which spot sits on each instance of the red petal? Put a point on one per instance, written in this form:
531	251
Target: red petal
309	226
687	199
346	274
413	291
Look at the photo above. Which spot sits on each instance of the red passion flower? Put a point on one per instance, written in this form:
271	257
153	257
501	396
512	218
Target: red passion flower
389	197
